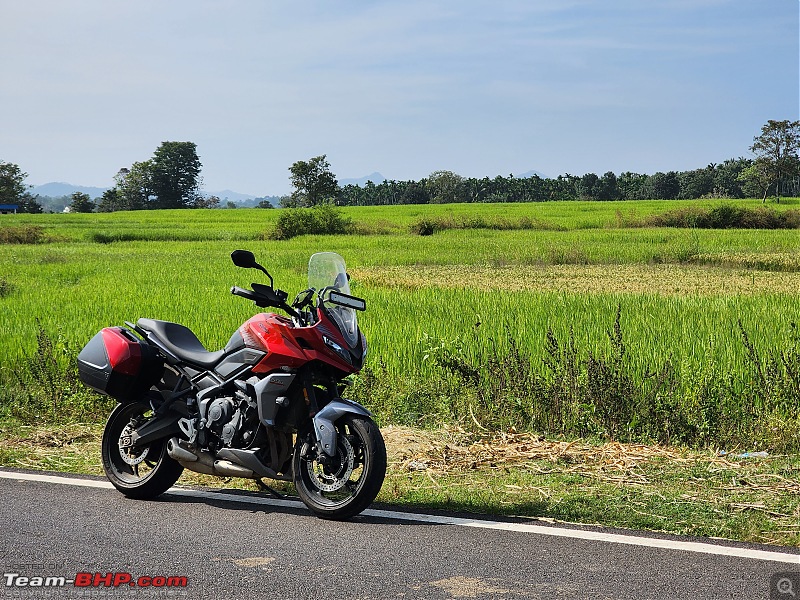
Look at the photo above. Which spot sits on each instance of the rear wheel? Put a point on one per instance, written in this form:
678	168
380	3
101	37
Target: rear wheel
342	486
141	473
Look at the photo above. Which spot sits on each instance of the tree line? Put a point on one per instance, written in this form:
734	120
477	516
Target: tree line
720	180
775	169
171	179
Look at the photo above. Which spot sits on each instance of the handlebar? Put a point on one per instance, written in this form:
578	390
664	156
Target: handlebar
265	296
248	294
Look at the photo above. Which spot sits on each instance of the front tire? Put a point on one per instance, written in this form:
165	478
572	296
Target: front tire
138	473
352	479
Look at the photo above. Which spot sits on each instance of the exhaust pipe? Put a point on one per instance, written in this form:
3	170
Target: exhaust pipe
179	450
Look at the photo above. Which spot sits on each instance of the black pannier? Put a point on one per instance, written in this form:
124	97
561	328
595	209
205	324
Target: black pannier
115	362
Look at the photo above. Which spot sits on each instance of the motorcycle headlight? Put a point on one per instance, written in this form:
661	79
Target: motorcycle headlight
336	348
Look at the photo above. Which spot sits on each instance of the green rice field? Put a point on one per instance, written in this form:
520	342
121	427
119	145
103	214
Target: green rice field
472	294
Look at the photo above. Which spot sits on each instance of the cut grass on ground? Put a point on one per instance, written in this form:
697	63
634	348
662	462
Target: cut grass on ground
633	486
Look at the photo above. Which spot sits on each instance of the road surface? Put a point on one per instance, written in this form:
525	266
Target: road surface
210	544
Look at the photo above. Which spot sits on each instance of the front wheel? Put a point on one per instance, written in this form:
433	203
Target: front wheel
342	486
140	473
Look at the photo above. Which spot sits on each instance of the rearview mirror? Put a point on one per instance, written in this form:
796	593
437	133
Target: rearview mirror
244	259
247	260
348	301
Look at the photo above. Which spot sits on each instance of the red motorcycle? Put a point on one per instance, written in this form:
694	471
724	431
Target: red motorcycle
268	405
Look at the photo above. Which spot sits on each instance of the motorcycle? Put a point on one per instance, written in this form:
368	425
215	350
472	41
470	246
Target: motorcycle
268	405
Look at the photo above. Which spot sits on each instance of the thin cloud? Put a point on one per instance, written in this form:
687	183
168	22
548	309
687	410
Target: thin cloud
402	88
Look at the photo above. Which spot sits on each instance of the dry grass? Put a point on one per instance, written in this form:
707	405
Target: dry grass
631	485
773	261
452	451
662	280
72	448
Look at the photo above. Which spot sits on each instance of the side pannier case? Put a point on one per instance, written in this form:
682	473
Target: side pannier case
116	363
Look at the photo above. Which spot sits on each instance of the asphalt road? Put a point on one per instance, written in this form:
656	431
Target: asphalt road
235	545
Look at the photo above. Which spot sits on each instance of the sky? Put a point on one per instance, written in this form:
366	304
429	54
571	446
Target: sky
405	88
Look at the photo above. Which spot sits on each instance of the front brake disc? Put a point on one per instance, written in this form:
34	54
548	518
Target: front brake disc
331	482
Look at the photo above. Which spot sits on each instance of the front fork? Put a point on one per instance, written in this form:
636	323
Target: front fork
323	419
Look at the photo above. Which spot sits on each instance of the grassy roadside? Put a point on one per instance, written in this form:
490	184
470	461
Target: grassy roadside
633	486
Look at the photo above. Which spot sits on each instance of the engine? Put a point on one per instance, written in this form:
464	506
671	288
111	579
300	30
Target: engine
234	420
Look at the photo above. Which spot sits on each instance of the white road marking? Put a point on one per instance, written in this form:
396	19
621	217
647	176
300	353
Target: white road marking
590	535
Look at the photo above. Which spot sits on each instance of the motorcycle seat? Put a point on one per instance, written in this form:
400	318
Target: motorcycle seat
182	342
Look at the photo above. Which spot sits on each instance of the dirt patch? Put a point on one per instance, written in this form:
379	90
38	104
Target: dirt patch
469	587
253	561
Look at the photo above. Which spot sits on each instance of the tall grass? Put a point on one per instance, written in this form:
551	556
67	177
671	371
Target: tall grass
570	386
46	387
322	219
726	216
22	234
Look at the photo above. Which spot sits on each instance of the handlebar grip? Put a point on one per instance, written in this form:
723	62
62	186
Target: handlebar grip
237	291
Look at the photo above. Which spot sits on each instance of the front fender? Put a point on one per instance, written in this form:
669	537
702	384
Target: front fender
330	413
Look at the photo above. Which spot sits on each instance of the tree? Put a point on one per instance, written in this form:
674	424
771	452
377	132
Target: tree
664	186
313	182
170	179
28	204
207	202
413	193
776	151
697	183
444	187
727	183
175	175
12	183
757	179
607	188
14	191
632	186
81	203
110	201
134	186
586	186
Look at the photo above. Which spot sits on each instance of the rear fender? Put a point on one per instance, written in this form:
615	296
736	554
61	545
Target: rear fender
328	415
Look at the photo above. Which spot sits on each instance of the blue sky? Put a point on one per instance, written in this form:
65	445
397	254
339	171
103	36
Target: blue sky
405	88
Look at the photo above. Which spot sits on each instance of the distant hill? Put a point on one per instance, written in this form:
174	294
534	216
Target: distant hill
527	174
254	202
56	189
375	178
231	196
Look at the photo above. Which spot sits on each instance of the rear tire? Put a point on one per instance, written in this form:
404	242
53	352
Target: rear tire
138	473
347	486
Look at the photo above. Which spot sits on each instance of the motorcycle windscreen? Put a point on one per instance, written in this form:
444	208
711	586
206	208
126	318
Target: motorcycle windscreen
326	273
